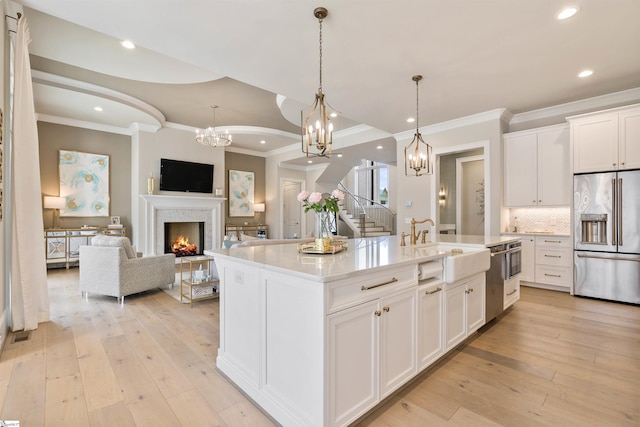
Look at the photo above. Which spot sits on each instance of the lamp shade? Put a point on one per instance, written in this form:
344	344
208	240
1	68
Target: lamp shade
53	202
258	207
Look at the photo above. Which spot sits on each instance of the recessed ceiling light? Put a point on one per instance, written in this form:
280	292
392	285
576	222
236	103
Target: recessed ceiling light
128	44
309	161
263	142
411	120
379	147
585	73
567	13
334	114
97	108
339	154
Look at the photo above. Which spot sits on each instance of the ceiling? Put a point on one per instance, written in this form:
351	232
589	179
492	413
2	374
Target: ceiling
258	60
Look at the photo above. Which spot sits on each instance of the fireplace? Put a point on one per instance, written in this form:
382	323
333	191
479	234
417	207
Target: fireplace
156	210
184	238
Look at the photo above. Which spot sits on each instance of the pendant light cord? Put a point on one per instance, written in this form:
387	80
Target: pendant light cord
320	89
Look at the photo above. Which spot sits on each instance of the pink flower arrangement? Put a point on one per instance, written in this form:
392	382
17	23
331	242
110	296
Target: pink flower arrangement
314	201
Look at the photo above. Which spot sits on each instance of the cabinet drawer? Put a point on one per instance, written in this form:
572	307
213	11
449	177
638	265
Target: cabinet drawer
511	291
348	292
561	257
553	241
561	276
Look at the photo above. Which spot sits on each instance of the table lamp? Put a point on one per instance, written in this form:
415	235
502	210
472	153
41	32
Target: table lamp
259	207
55	203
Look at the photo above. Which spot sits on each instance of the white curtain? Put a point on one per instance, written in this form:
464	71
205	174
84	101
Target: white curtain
29	293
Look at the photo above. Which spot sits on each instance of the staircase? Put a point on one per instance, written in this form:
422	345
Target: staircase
365	217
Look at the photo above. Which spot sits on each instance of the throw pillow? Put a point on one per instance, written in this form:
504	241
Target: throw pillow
245	237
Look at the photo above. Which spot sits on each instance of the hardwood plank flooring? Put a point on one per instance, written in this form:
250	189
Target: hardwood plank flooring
552	360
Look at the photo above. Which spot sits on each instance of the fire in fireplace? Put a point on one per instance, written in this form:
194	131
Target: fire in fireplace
184	238
182	247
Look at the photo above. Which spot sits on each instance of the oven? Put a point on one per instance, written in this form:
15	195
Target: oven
513	265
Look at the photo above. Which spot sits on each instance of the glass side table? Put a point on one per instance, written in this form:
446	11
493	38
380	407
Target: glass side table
199	284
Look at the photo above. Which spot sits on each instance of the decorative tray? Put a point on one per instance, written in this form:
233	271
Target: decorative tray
333	248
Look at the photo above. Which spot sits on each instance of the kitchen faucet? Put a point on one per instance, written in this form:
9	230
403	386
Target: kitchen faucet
414	235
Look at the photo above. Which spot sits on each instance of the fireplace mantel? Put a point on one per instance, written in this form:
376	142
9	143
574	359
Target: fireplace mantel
157	209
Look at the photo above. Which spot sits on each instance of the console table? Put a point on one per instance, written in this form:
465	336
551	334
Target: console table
255	230
62	245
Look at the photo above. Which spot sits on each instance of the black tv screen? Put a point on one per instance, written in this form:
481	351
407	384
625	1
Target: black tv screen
178	175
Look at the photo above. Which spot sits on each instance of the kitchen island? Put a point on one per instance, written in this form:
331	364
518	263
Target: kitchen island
319	340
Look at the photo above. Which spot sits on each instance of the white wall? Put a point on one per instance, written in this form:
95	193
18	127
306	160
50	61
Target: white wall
147	150
421	191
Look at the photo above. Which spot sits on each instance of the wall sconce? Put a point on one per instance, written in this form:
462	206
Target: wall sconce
259	207
55	203
442	197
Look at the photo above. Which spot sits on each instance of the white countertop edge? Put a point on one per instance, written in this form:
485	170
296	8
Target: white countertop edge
521	234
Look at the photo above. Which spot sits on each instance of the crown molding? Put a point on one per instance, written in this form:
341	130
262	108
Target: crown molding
497	114
576	107
83	124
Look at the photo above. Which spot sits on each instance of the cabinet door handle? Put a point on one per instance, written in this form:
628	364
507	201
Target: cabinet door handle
377	313
553	256
552	241
552	275
386	308
433	292
512	292
366	288
468	291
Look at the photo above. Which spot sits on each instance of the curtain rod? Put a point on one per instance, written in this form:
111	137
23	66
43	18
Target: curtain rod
14	18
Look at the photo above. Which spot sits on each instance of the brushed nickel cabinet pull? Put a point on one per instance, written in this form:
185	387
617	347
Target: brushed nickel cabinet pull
433	292
386	308
366	288
552	241
552	275
512	292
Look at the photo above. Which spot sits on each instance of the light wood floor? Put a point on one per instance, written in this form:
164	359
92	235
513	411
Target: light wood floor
554	360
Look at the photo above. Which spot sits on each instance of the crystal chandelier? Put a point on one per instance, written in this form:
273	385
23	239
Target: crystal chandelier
317	129
210	137
418	156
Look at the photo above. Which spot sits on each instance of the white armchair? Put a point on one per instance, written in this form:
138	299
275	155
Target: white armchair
110	267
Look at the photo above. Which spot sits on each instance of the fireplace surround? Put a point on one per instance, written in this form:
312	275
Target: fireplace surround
155	210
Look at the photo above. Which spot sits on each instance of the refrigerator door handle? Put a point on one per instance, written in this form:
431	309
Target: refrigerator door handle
619	211
614	213
615	258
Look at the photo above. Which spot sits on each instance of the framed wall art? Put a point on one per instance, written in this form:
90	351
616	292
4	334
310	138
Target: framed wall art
241	187
84	183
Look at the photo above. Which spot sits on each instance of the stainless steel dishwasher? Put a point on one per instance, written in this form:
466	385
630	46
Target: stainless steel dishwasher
505	264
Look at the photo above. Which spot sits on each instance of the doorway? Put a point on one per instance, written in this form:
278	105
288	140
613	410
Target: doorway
291	209
470	195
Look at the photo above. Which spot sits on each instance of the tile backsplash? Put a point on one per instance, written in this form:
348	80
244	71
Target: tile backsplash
555	220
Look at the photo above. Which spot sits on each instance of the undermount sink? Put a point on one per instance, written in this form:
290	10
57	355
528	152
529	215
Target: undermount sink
462	262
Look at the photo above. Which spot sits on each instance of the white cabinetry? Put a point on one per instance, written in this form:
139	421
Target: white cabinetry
511	291
528	258
537	171
464	305
606	140
430	322
554	261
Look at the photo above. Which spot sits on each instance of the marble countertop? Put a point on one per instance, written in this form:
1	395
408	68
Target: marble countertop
533	233
362	255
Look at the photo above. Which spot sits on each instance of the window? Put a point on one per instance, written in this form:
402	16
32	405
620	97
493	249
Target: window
372	181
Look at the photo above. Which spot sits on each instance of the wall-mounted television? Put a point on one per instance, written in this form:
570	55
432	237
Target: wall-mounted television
178	175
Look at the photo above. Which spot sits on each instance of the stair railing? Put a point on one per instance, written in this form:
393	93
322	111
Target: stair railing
368	210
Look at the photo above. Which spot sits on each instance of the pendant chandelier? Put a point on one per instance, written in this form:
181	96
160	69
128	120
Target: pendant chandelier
418	156
317	129
210	138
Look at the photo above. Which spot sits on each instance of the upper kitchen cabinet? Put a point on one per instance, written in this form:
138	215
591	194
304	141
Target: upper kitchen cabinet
606	140
537	167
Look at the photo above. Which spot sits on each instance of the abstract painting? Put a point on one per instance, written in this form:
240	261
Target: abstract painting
241	186
84	183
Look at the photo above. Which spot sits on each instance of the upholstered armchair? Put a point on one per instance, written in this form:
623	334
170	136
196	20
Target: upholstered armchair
110	267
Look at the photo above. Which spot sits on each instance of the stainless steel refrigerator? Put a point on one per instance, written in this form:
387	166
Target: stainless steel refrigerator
607	235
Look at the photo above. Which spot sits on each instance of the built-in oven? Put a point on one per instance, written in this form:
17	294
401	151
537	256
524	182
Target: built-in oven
513	266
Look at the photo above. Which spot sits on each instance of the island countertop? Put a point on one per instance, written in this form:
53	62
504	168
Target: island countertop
362	254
